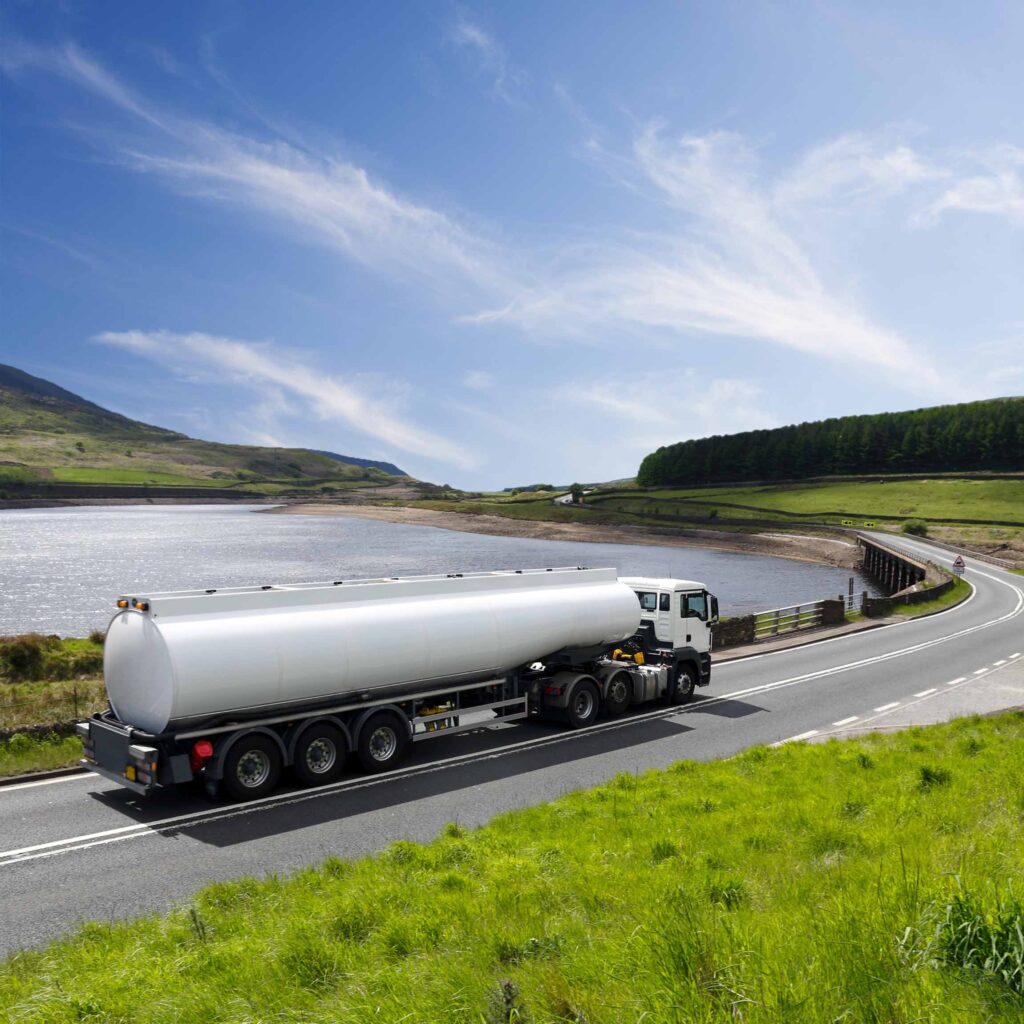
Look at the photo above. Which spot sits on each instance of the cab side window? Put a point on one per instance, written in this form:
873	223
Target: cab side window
695	605
648	600
664	602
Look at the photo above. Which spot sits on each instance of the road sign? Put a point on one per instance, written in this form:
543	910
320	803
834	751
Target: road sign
959	565
870	524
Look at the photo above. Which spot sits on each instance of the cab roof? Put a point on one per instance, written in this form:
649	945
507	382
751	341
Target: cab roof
660	583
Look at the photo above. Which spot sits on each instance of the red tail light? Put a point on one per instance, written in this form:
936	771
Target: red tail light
202	751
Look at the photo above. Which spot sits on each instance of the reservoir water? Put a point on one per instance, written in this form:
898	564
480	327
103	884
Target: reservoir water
61	569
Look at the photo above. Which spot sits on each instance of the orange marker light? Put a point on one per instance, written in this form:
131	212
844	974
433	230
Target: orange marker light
123	603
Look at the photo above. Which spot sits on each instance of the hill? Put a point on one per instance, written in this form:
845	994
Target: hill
385	467
50	435
971	437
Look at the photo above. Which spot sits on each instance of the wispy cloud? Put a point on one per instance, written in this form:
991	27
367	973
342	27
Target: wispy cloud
477	380
330	200
693	406
278	377
507	80
998	190
727	264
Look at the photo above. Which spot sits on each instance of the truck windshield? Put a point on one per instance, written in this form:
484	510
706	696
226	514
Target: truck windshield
648	600
695	605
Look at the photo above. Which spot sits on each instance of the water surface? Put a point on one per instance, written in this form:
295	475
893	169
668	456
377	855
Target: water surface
62	568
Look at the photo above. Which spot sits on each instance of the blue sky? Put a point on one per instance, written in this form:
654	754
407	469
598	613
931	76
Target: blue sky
504	243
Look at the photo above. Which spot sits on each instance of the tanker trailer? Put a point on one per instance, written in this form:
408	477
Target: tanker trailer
232	686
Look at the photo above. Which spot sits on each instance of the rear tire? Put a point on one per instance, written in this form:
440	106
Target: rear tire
584	704
617	692
382	741
319	755
252	768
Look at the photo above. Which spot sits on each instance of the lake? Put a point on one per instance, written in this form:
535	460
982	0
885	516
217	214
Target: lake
61	569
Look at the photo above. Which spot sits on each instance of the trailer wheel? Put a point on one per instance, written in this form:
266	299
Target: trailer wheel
252	768
583	705
616	694
382	742
319	754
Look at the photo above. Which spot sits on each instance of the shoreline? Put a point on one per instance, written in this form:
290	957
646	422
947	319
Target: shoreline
796	547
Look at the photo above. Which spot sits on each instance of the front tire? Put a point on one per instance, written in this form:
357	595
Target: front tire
382	742
252	768
584	704
685	683
319	755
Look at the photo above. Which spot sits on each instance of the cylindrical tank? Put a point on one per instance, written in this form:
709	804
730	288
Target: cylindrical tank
194	658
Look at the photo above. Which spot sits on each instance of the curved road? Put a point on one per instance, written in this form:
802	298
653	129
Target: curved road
82	848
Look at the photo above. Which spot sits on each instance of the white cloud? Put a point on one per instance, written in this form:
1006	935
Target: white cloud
332	201
674	403
999	190
278	377
507	80
729	265
850	167
477	380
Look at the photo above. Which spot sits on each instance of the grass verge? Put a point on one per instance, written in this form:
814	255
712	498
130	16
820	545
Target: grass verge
876	879
21	753
960	591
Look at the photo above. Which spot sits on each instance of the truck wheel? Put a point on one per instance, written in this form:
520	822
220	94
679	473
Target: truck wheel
684	685
616	694
583	704
382	742
252	767
319	755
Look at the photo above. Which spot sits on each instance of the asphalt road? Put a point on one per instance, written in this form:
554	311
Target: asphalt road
82	848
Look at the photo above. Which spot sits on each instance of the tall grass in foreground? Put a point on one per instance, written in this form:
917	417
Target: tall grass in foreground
873	880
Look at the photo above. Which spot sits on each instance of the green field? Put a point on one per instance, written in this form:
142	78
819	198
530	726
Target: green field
874	880
934	499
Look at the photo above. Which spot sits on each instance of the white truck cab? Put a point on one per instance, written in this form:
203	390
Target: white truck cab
681	612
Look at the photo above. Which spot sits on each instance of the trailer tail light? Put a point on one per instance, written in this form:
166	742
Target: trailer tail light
552	691
202	751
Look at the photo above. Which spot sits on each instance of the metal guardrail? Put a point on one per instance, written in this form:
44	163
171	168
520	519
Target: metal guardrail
1002	563
785	620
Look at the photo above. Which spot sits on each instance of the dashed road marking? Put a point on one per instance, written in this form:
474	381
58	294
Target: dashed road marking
847	721
888	707
980	671
1016	654
924	693
959	679
996	664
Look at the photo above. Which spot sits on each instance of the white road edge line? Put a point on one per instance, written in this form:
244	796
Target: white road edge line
889	707
924	693
796	739
219	814
847	721
47	782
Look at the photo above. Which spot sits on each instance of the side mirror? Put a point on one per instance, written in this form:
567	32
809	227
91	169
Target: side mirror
713	604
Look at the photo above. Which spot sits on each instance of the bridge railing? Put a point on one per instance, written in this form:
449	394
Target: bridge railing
786	620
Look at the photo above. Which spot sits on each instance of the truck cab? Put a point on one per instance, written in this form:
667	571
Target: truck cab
677	616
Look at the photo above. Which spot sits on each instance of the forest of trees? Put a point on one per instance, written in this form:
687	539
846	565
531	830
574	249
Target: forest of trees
974	436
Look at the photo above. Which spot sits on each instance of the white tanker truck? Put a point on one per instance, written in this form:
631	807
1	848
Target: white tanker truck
230	687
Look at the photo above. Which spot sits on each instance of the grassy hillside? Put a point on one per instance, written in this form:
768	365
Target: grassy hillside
48	434
865	880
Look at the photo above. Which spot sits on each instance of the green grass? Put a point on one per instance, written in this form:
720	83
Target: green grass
21	754
110	475
46	702
874	880
960	591
33	657
942	499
